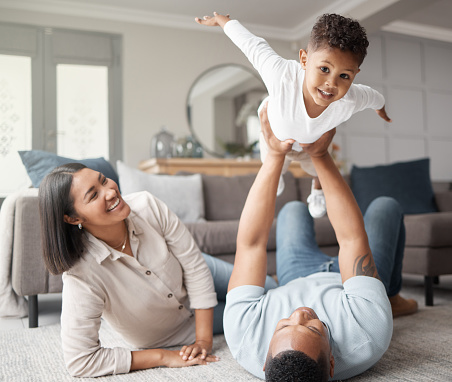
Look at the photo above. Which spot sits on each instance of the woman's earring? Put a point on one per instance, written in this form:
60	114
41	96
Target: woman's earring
80	226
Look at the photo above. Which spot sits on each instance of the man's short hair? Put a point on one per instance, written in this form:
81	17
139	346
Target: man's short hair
296	366
336	31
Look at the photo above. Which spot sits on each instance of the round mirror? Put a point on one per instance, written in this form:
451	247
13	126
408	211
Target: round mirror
222	110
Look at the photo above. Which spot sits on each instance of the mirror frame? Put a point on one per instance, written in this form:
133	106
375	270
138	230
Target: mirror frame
188	109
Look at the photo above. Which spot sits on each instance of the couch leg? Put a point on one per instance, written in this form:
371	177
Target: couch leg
33	311
428	285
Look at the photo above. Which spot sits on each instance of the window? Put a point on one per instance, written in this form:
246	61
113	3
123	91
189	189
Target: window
60	91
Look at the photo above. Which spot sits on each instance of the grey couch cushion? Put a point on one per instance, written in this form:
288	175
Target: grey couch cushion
429	230
443	201
304	186
324	232
224	197
220	237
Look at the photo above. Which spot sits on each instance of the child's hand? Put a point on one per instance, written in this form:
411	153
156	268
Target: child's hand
216	20
382	114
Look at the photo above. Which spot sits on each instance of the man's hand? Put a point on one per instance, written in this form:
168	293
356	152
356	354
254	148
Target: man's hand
216	20
275	146
382	114
319	148
171	358
200	347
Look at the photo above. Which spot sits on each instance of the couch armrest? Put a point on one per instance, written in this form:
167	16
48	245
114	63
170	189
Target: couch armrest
429	230
29	275
443	201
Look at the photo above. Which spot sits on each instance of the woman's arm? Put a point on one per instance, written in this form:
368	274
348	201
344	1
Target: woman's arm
85	357
204	336
149	358
197	278
82	309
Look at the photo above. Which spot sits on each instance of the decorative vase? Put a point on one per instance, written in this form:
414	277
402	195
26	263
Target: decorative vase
162	144
188	147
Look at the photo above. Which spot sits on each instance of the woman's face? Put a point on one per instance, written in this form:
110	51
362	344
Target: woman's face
97	201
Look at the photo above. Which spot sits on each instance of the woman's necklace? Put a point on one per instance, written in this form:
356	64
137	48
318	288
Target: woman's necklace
123	244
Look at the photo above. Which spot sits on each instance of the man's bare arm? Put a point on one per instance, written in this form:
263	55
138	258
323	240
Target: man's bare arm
250	264
355	257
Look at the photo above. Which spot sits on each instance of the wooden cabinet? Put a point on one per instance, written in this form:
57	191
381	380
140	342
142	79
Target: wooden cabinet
225	167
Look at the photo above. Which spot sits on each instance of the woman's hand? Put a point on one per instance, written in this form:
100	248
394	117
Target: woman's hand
275	146
172	358
200	347
216	20
382	113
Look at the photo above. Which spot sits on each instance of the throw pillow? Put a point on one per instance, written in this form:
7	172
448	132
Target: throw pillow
407	182
182	194
39	163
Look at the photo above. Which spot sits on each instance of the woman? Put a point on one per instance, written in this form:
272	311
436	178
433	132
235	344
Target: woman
132	262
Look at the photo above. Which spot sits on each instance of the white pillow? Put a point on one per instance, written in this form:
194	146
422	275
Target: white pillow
182	194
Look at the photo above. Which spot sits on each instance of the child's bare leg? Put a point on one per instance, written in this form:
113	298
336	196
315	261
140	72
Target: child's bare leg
316	183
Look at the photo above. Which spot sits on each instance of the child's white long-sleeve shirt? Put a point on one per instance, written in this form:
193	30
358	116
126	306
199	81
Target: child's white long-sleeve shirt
284	81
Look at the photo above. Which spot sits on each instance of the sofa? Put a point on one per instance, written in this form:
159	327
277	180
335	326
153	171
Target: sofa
428	241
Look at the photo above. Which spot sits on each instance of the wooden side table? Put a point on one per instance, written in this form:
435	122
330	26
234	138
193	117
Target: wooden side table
224	167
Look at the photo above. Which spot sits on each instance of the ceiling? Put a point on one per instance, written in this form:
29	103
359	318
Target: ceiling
289	20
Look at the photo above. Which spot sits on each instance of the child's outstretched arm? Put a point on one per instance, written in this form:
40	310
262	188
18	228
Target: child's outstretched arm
382	113
216	20
264	59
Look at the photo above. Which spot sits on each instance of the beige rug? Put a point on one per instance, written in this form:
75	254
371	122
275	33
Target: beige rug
421	350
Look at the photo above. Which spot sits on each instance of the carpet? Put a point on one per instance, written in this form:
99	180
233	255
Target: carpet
420	351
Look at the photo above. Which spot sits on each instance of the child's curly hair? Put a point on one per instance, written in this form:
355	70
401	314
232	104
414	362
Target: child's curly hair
340	32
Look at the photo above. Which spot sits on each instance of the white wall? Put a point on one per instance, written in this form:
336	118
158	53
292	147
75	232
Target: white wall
160	64
413	74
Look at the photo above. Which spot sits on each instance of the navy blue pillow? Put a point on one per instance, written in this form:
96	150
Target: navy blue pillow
39	163
407	182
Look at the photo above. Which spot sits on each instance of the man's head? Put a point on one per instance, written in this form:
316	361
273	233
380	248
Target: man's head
300	349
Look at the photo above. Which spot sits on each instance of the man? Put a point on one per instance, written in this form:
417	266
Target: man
319	324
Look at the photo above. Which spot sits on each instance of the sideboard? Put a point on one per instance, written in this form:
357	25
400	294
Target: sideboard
219	166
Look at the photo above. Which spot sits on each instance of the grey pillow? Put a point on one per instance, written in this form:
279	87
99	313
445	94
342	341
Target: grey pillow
182	194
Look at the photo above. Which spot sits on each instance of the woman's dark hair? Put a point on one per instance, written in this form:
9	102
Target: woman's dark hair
296	366
340	32
62	243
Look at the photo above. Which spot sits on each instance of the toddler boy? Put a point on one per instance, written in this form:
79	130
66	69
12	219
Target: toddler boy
312	96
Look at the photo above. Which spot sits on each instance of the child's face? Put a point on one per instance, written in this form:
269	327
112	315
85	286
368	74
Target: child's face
329	74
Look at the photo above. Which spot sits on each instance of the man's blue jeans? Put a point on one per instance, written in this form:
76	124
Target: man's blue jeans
221	273
298	255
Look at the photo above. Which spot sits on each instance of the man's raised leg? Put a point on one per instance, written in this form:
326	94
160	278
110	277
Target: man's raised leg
297	251
386	232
